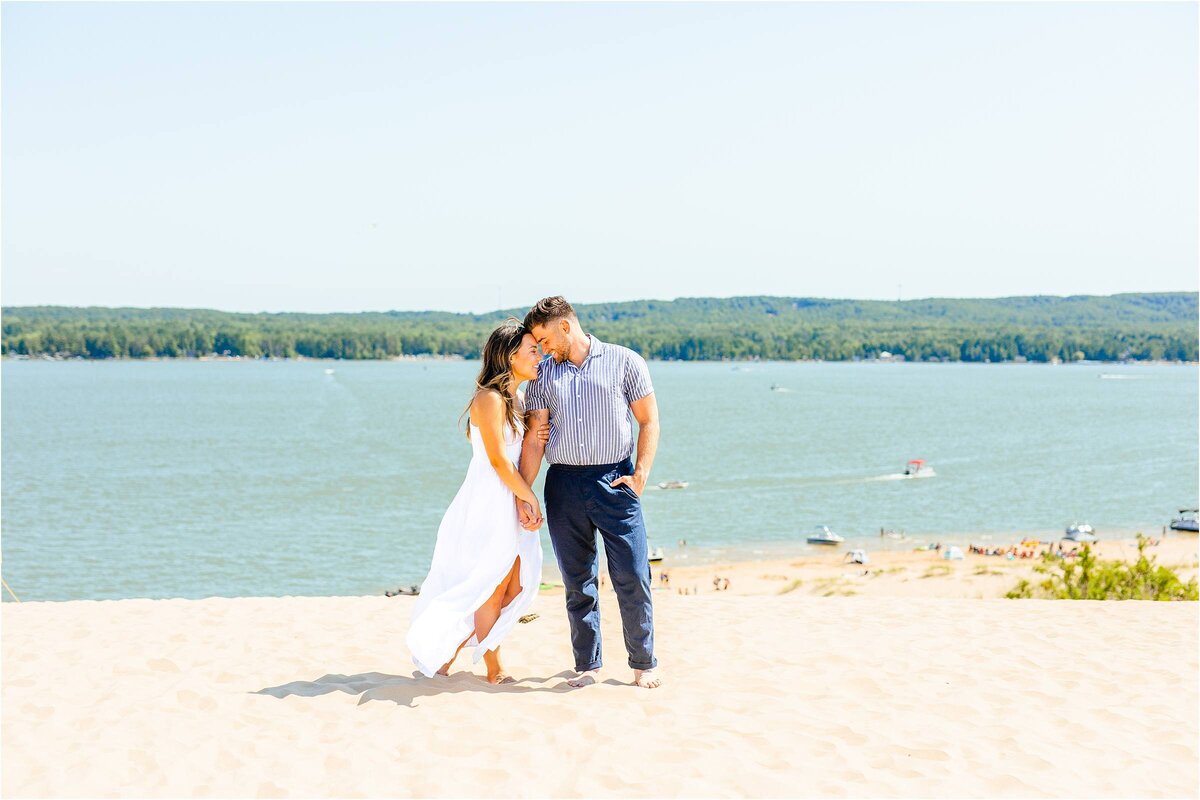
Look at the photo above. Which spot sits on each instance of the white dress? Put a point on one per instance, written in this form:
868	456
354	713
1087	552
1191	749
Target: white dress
477	542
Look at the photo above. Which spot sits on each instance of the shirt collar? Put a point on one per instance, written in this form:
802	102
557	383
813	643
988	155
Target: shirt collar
597	348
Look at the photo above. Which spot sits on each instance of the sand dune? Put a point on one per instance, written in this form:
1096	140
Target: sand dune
770	696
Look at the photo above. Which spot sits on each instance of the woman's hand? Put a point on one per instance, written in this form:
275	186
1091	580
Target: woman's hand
536	520
543	432
530	516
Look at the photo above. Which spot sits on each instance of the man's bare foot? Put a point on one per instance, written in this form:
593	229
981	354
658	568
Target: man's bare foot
500	677
584	678
646	678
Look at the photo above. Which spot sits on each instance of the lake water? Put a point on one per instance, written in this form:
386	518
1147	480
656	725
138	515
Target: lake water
193	479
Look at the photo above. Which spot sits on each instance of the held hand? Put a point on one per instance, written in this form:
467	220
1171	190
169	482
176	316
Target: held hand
543	432
635	482
530	516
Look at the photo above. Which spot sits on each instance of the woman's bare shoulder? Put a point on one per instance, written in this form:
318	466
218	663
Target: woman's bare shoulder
486	403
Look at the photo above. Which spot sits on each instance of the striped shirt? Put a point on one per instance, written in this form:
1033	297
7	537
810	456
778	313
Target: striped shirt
590	418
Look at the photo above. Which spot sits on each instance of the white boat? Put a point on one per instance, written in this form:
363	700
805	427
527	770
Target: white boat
917	468
655	554
824	536
1187	520
1079	533
673	485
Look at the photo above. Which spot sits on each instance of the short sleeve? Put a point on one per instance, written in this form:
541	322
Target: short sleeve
536	397
636	383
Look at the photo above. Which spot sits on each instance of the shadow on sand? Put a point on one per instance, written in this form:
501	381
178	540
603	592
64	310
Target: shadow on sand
404	691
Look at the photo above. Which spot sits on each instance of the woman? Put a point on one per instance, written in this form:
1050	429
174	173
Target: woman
486	568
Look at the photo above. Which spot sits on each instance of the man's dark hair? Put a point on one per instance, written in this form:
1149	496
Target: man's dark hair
548	309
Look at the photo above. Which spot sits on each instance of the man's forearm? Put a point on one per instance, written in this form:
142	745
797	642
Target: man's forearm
647	446
531	460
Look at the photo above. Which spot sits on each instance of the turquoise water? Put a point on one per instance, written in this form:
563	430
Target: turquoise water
191	479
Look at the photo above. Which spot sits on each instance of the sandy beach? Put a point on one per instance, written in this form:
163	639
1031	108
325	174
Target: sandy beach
912	687
899	573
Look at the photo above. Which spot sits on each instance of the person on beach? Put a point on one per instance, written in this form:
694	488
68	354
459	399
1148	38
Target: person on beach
486	566
590	392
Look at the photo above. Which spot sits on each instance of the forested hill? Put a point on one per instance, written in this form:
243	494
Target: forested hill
1038	328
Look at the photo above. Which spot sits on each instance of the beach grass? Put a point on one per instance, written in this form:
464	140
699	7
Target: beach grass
1091	578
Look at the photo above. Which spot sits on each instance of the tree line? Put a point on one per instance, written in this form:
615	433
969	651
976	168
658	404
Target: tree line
1039	328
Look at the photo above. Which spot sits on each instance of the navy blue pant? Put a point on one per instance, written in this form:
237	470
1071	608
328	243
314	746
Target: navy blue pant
579	502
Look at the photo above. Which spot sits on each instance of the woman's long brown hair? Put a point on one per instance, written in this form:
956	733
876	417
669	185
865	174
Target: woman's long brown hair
496	372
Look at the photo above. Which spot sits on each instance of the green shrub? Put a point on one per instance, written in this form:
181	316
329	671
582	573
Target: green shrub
1092	579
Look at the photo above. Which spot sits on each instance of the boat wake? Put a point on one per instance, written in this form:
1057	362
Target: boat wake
900	476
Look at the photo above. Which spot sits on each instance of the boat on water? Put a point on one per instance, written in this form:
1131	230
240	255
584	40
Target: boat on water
673	485
655	554
824	536
917	468
1079	533
1187	520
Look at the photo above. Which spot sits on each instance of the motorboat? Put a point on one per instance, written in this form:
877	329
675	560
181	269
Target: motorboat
673	485
917	468
655	554
824	536
1079	533
1187	520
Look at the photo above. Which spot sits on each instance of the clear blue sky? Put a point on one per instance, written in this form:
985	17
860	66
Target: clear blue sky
345	157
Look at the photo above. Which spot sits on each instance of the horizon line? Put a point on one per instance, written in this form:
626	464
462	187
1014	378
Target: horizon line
6	308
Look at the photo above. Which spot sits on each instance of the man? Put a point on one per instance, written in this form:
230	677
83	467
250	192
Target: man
590	391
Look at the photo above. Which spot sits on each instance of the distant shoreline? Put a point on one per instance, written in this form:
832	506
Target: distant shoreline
755	566
1125	327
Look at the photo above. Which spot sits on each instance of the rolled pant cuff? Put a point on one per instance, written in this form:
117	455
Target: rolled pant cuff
652	665
589	667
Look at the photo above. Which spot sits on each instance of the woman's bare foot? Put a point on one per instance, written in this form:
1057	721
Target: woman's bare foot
495	671
584	678
500	678
647	678
445	670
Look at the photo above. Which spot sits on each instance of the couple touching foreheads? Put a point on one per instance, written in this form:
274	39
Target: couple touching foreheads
577	411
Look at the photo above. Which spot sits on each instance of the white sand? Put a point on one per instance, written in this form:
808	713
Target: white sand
778	695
